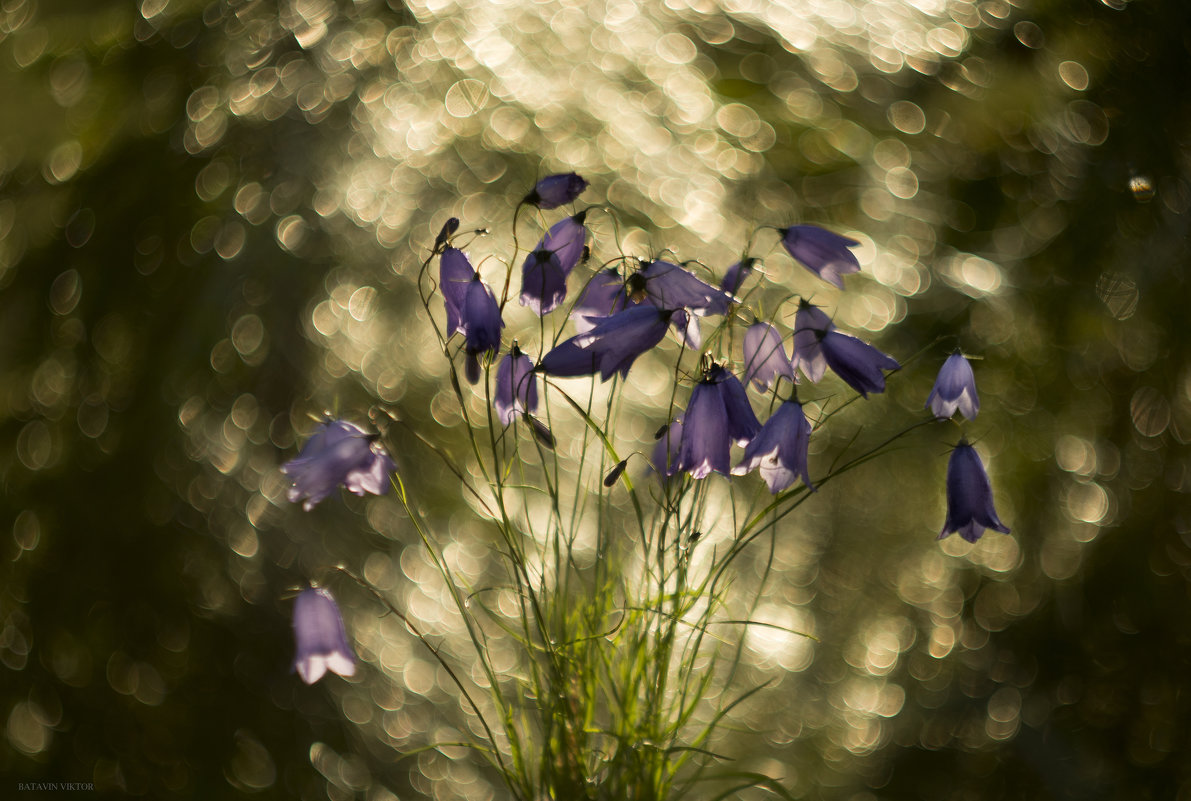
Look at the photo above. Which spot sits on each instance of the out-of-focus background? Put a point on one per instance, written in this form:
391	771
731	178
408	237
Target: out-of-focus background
212	213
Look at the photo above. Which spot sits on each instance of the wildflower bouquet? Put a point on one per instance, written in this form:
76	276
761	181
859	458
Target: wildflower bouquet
599	660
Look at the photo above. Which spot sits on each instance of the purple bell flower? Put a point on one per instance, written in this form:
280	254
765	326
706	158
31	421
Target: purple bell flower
969	496
857	363
603	296
779	449
555	190
454	276
481	325
544	274
736	275
810	324
516	387
764	358
320	636
718	415
823	253
338	453
955	388
669	286
611	346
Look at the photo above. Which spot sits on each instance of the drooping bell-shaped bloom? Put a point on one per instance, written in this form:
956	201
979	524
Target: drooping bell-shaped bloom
810	324
718	415
858	363
736	274
603	296
764	357
665	453
823	253
320	637
779	449
969	496
669	286
481	325
555	190
454	277
544	274
611	346
338	453
516	386
955	388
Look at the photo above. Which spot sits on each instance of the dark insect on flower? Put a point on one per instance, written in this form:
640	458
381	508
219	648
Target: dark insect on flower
320	637
955	388
717	415
858	363
450	227
544	273
736	274
516	386
338	453
810	324
823	253
454	277
779	450
615	472
764	357
481	326
611	346
969	496
555	190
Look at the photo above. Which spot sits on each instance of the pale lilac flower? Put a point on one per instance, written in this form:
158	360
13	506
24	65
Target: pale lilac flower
823	253
764	357
338	453
857	363
969	496
717	415
555	190
481	324
955	388
544	273
516	387
320	637
611	346
454	273
779	450
810	324
669	286
603	296
736	274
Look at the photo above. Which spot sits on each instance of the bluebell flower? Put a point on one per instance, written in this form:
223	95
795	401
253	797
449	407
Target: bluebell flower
555	190
969	496
810	324
516	386
669	286
779	450
857	363
320	637
338	453
544	273
611	346
955	388
823	253
764	357
736	274
717	415
481	326
603	296
454	277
